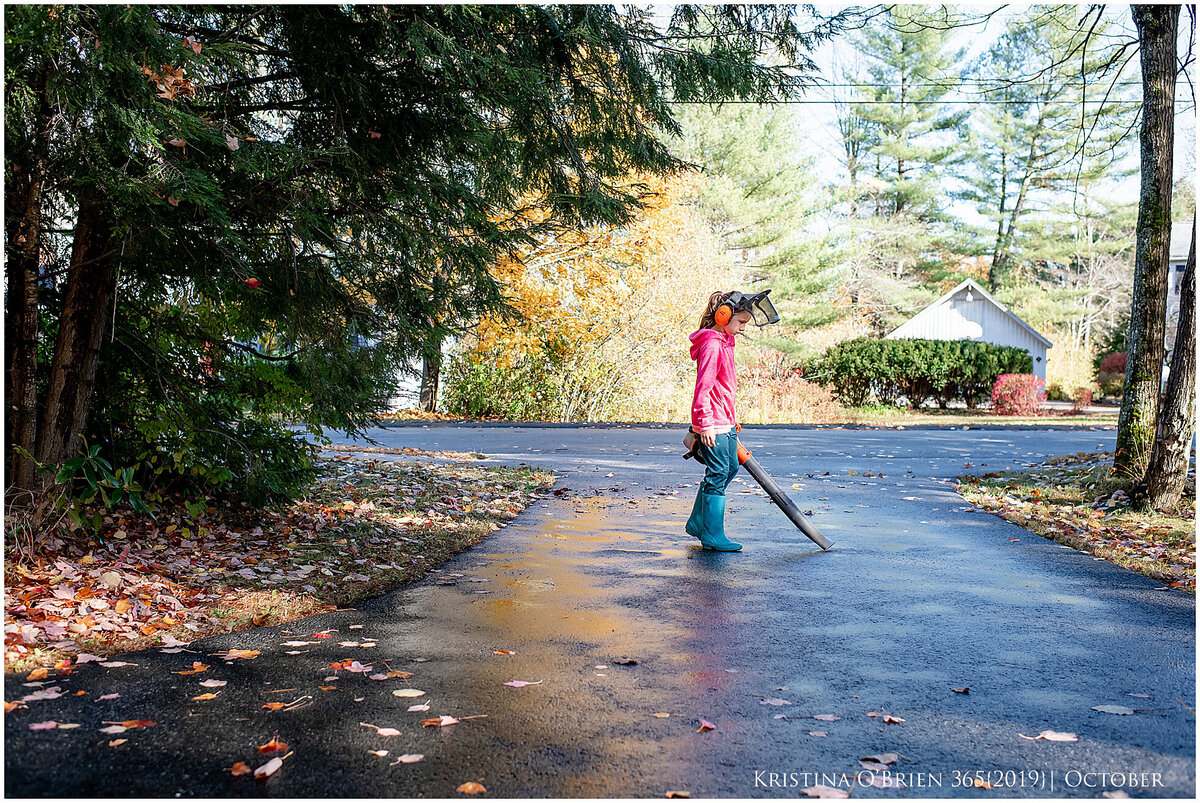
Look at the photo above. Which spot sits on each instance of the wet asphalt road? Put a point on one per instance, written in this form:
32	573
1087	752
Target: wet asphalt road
918	595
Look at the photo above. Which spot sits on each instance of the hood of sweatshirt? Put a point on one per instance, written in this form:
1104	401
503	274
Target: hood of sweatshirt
701	336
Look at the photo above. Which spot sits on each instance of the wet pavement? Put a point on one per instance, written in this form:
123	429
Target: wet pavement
918	596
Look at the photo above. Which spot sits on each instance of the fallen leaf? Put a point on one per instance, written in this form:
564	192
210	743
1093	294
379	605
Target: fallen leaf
827	717
774	701
963	690
117	742
439	722
410	758
10	707
419	707
85	657
626	661
678	793
408	693
891	720
240	768
197	667
268	769
43	726
882	758
321	635
819	734
503	652
209	684
38	674
1113	709
1051	736
1138	694
662	715
381	731
274	706
326	688
380	753
705	726
231	142
825	791
113	664
112	696
471	788
113	729
138	723
982	784
298	643
209	696
273	746
230	654
519	683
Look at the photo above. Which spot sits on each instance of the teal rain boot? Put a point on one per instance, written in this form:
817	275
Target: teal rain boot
695	522
713	532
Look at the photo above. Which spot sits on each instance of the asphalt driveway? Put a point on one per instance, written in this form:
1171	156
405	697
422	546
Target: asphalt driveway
615	617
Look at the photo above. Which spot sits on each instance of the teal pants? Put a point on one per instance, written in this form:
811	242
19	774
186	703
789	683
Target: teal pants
721	463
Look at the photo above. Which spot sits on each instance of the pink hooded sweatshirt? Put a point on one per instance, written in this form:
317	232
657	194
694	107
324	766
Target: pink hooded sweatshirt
716	382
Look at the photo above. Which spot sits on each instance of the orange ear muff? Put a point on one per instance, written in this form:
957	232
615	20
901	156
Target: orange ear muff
723	314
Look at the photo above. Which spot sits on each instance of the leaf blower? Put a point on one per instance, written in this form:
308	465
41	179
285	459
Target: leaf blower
691	440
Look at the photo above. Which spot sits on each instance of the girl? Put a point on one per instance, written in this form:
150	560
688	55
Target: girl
713	417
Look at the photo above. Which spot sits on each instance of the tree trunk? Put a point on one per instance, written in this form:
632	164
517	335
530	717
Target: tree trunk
91	282
23	233
1167	473
1003	254
431	368
1157	28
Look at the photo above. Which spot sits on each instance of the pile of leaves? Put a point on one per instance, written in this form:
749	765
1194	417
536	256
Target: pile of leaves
365	527
1074	500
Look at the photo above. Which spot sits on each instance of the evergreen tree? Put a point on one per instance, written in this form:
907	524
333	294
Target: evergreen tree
1046	122
223	217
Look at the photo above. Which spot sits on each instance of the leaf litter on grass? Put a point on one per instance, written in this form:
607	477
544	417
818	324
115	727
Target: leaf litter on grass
366	526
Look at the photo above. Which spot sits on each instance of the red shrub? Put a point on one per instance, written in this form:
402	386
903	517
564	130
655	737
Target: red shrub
1113	363
1017	394
1081	400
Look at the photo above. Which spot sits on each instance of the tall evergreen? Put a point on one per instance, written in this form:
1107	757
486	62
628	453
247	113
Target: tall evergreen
1049	118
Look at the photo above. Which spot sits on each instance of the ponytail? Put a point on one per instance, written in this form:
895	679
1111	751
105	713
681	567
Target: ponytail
709	319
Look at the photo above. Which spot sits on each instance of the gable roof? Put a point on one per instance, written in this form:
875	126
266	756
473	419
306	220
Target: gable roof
974	288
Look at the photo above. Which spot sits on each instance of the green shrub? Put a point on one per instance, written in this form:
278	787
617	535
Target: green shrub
485	385
919	370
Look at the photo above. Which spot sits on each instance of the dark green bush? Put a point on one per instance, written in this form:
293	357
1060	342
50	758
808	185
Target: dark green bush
917	370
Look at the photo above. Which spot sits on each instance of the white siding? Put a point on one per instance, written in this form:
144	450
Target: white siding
955	318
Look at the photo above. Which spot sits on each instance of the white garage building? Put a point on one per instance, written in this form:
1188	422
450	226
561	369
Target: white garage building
968	312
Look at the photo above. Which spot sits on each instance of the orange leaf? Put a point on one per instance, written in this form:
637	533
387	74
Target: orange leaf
438	722
63	664
274	706
503	652
705	726
241	768
117	742
196	668
471	788
38	673
139	723
326	688
239	654
273	746
10	707
209	696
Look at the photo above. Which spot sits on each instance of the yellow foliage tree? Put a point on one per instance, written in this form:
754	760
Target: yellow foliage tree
608	310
